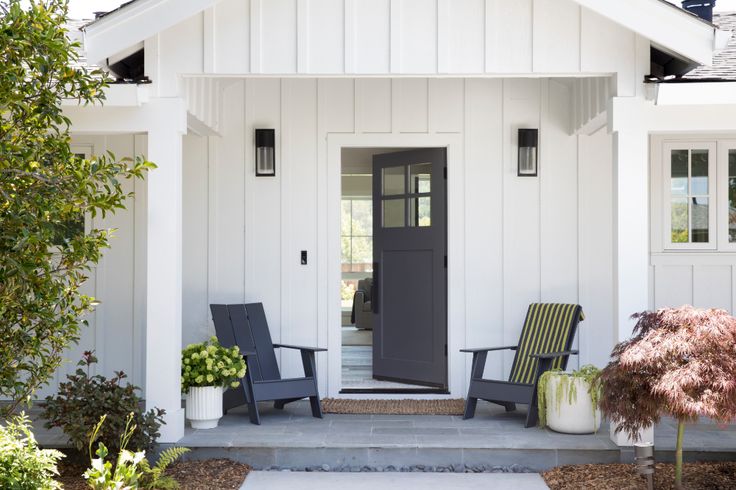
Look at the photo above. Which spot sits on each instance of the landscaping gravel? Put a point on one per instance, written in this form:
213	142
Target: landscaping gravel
696	476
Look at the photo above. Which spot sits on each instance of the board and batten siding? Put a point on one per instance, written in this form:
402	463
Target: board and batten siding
396	37
523	239
116	330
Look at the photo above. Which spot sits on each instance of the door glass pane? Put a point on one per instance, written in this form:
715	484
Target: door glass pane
680	219
420	178
362	217
732	196
420	213
679	172
393	213
699	172
700	219
393	180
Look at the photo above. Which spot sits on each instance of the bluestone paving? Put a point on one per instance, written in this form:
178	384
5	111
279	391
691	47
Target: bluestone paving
493	441
287	480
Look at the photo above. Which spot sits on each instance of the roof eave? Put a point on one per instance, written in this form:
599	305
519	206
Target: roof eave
135	22
674	29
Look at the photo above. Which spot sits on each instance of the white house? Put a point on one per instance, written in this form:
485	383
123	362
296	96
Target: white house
629	208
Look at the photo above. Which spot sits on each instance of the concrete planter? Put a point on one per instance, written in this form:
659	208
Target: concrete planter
576	417
204	406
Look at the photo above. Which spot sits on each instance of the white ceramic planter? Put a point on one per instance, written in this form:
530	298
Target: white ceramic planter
204	406
571	418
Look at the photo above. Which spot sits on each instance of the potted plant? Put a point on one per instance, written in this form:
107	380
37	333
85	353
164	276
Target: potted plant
207	368
680	362
568	402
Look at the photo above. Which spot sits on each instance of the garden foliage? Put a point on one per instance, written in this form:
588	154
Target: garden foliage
83	399
680	362
23	465
210	364
46	192
131	469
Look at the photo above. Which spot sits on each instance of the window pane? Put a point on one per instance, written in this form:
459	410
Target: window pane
679	172
420	178
345	220
680	219
700	219
420	213
362	217
393	180
345	258
699	172
732	196
393	213
362	253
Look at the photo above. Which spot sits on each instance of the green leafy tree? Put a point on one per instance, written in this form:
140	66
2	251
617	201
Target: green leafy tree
44	190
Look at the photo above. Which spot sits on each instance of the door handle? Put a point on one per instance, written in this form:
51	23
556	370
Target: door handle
374	288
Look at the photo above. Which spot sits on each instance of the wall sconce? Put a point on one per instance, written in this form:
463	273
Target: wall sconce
265	152
528	158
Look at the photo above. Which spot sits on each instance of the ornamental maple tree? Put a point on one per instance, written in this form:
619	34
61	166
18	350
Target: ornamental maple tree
680	362
45	193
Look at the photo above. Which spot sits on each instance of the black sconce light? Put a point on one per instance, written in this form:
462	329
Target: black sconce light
528	154
265	152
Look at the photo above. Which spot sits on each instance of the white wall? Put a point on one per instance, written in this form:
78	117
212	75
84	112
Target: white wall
117	326
525	239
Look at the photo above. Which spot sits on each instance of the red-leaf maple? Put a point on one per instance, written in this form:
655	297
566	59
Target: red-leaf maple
680	362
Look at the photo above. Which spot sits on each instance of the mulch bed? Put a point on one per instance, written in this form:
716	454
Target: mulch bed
394	407
203	474
705	476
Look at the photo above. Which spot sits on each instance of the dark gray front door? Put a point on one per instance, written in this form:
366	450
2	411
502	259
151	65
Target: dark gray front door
410	274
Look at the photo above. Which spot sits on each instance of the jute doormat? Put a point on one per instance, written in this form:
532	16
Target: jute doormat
394	407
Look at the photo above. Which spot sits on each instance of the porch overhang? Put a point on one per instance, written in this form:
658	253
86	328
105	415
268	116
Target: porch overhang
134	22
696	93
664	25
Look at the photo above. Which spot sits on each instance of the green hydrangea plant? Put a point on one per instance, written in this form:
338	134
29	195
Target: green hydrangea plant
210	364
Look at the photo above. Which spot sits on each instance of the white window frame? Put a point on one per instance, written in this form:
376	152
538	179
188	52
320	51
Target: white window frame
667	148
722	195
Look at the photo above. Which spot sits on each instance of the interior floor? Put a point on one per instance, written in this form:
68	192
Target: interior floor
357	362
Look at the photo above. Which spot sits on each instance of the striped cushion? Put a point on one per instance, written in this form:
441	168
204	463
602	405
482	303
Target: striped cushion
549	327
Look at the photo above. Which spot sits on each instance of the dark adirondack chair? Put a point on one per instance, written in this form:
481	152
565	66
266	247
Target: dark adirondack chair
246	327
545	344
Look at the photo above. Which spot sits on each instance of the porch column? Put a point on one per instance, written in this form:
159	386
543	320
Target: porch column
164	267
630	236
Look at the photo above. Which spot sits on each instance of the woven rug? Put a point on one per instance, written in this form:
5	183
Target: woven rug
394	407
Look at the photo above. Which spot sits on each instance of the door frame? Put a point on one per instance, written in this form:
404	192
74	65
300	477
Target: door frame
456	362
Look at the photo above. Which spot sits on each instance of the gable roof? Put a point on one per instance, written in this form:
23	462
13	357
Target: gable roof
667	26
724	62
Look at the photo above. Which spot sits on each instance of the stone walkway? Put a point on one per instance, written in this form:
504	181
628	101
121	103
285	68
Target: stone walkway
287	480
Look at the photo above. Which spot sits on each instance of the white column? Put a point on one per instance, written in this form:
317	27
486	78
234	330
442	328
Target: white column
164	268
631	237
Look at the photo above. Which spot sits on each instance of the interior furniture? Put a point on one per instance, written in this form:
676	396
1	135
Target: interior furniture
362	308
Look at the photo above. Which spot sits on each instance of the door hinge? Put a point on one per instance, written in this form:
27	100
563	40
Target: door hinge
445	350
444	170
445	261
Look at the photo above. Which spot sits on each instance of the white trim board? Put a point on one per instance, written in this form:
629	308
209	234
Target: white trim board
456	365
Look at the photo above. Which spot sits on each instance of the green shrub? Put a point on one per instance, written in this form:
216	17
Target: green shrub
131	469
83	399
210	364
23	466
